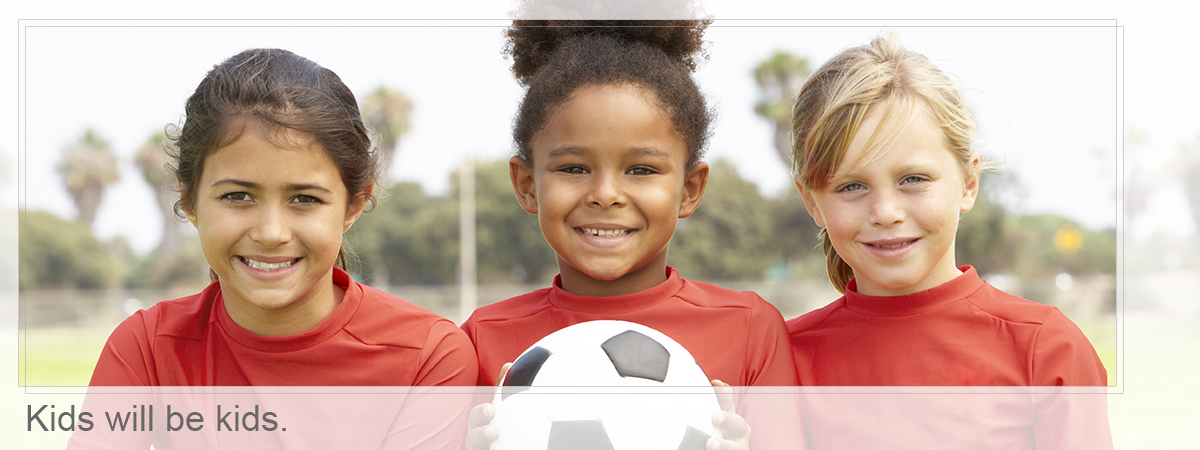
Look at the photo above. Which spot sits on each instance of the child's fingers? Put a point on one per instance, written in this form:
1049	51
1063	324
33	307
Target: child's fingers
724	395
733	427
481	415
479	434
503	372
735	431
480	438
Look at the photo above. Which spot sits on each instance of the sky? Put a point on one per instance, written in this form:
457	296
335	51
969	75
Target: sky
1049	116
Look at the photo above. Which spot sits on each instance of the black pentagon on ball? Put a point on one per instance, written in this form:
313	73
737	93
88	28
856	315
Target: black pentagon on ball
693	439
634	354
578	435
523	370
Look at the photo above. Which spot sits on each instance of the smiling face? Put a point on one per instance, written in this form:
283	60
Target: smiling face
270	220
893	216
608	179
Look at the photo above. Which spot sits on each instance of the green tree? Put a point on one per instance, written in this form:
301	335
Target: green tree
728	237
1039	256
170	264
779	78
150	158
988	236
87	167
794	235
509	241
387	112
56	253
409	238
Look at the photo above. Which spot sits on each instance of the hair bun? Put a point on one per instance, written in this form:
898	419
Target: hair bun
532	42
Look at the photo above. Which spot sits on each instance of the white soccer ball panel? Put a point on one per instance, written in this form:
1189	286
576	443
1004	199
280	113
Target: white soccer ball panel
520	424
685	372
698	410
581	366
644	421
571	406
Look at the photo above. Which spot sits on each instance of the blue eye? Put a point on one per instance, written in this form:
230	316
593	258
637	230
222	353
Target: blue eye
851	187
913	179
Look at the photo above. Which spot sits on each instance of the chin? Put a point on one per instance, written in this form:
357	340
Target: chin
606	275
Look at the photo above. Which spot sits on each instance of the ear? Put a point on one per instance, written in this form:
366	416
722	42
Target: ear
523	184
188	211
355	209
693	189
971	185
810	203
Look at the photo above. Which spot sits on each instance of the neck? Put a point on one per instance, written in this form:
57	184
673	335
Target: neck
639	279
297	317
944	271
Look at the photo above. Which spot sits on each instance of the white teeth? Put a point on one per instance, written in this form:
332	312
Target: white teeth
892	246
267	266
605	233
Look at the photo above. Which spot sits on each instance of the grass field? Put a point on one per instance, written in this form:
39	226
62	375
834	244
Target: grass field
65	356
59	356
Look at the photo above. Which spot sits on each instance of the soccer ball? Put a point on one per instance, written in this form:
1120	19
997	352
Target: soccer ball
605	385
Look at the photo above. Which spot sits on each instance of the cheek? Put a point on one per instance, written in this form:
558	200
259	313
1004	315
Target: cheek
840	217
328	232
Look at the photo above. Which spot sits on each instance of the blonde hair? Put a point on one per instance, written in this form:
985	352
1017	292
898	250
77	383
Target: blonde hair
837	97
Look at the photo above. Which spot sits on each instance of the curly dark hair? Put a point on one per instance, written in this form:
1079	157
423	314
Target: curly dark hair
278	89
553	58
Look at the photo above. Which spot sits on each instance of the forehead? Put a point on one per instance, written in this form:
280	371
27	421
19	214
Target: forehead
891	130
278	155
607	118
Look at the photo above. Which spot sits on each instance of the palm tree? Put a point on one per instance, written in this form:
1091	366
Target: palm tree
150	159
779	79
87	167
387	112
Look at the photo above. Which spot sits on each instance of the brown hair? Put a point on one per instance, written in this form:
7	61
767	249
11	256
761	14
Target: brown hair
275	89
554	58
837	97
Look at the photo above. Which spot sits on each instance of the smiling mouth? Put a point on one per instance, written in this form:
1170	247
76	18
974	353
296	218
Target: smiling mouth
267	267
604	233
893	246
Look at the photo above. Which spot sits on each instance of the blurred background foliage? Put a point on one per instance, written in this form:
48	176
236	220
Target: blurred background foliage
411	238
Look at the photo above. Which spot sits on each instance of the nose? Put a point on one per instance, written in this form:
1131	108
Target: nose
887	208
607	191
271	228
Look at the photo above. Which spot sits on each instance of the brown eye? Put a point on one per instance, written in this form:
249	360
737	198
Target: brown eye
308	199
575	170
236	196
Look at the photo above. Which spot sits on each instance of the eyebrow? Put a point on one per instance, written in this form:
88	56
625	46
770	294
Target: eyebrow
253	185
650	151
575	150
